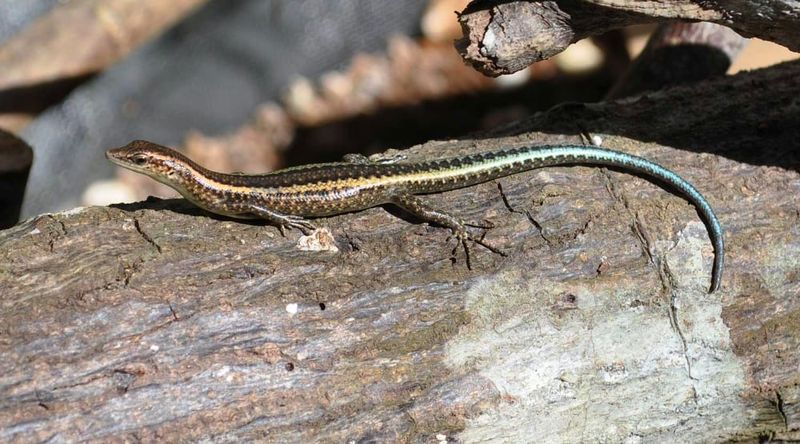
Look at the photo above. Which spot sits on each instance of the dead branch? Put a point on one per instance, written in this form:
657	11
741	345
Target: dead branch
502	37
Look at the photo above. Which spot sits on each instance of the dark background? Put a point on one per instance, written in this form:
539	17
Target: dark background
208	73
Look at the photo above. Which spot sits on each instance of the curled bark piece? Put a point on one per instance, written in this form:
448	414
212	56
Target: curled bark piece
504	37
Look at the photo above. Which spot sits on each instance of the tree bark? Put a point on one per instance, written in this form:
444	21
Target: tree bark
502	37
158	321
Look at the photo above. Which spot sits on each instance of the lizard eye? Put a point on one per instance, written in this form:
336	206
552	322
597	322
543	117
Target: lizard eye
139	159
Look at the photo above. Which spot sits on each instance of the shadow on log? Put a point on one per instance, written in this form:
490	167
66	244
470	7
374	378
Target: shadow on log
156	321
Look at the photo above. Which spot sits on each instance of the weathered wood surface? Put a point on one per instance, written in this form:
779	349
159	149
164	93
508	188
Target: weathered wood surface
156	321
502	37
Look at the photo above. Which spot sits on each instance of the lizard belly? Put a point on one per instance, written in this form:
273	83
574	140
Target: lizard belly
327	203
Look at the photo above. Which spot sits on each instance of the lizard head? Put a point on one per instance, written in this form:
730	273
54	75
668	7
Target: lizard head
161	163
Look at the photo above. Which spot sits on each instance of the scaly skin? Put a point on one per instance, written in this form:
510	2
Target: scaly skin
286	196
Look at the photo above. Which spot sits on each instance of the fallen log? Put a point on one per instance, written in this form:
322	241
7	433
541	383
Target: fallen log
158	321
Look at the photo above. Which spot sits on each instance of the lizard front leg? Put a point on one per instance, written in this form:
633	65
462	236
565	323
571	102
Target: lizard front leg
282	221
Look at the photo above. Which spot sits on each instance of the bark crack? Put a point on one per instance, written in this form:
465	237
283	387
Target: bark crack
172	311
90	378
673	317
637	226
145	236
131	269
665	275
781	411
527	214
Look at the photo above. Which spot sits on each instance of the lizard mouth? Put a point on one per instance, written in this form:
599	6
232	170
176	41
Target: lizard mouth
118	157
114	156
125	156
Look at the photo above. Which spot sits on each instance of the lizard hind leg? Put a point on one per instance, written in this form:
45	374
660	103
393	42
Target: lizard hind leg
461	232
356	158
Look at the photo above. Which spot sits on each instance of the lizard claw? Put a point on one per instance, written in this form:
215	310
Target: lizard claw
298	222
301	224
464	237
